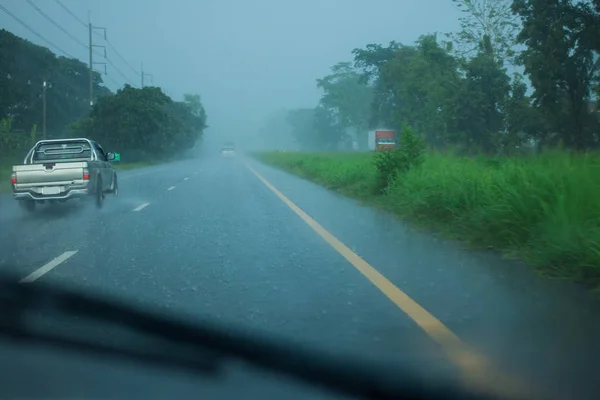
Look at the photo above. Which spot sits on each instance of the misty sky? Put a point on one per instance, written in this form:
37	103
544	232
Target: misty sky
245	58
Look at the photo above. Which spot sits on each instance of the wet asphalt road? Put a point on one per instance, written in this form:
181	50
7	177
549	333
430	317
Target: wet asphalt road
206	238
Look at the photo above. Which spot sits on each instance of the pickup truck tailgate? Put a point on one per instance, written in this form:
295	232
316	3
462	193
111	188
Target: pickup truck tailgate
49	172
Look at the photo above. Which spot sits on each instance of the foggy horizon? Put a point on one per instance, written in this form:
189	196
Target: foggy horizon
246	60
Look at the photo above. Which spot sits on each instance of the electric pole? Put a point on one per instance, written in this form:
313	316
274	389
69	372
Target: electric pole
91	68
91	46
145	74
44	109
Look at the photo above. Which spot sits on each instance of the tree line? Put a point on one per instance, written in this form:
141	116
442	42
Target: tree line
140	123
521	74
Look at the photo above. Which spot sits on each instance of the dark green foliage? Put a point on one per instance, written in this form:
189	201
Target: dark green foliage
390	163
143	124
23	69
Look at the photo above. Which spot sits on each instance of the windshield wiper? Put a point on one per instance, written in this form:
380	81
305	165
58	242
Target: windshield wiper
215	344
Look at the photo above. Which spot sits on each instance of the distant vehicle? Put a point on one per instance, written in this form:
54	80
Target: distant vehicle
62	169
381	139
228	149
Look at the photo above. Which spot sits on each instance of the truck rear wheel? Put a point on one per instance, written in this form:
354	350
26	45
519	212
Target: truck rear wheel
99	195
115	188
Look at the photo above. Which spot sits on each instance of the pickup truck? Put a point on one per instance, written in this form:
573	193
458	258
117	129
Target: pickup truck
62	169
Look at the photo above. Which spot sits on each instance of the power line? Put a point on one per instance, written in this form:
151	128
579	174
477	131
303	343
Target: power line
71	13
119	71
113	81
121	57
13	16
112	47
57	25
99	35
116	52
41	12
145	74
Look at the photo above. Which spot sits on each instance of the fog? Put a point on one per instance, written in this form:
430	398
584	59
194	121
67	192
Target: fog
247	59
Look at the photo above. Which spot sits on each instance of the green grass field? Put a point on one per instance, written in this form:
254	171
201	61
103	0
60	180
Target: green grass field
543	209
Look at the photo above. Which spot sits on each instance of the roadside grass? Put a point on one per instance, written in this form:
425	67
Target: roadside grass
133	165
542	209
351	174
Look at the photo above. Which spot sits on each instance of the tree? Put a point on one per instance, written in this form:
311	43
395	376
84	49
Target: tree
327	129
314	128
491	19
480	105
274	133
302	120
420	82
23	69
194	104
346	99
143	123
371	61
459	93
372	58
560	59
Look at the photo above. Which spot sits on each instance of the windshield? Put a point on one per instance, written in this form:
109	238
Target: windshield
221	161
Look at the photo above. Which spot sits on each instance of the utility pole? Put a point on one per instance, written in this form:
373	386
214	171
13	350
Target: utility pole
145	74
91	46
44	109
91	67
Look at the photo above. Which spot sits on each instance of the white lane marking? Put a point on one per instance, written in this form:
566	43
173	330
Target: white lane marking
133	176
141	207
48	267
185	179
171	188
195	173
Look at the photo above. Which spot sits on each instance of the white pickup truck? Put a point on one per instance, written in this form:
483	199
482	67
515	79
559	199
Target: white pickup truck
62	169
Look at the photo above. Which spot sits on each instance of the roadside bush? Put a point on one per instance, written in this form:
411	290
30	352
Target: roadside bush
390	163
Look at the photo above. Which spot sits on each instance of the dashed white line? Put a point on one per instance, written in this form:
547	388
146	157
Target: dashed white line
48	267
185	179
171	188
141	207
134	175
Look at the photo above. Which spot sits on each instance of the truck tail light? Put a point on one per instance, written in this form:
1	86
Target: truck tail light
86	175
13	178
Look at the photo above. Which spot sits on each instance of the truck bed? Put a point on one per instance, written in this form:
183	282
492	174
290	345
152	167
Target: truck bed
51	172
50	180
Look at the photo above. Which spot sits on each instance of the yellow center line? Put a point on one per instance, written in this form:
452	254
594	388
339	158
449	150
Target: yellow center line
477	372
